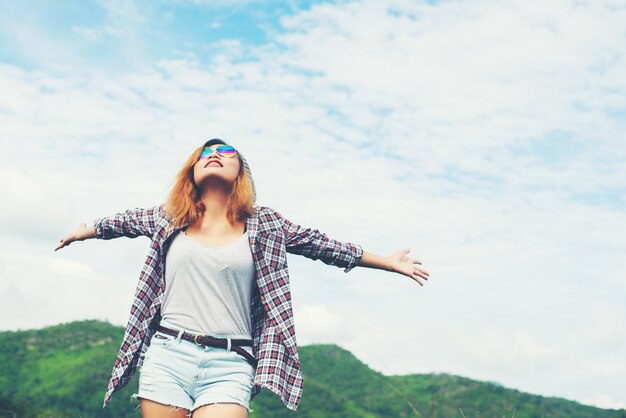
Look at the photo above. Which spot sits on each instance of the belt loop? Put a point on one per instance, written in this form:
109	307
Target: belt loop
228	344
180	334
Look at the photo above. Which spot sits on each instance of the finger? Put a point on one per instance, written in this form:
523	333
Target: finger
418	280
415	260
62	244
423	272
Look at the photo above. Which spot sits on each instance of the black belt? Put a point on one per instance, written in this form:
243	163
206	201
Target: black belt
207	340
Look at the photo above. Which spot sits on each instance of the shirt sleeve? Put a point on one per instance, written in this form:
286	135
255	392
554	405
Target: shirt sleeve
316	245
130	223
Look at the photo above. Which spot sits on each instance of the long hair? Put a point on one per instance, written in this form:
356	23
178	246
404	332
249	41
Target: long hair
183	204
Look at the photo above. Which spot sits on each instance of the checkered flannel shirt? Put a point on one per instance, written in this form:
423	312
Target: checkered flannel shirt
271	237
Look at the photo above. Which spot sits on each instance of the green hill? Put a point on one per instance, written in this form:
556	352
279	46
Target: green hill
63	370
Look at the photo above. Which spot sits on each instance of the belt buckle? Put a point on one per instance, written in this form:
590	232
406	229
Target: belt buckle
195	339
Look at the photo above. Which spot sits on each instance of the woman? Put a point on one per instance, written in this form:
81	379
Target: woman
212	322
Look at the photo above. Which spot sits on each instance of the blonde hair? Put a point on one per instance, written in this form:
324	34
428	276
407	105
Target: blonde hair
183	204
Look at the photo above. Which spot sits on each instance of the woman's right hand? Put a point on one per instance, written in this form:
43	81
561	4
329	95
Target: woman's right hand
81	233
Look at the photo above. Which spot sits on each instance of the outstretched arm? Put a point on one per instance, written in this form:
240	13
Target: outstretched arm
130	223
315	245
398	262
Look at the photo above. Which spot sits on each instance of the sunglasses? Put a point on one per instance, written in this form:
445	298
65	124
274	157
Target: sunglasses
227	151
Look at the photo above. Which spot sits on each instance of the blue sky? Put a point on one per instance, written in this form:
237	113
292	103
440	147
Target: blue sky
107	33
486	136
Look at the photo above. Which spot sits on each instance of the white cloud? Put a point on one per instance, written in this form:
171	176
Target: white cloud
318	323
32	208
431	127
65	286
465	81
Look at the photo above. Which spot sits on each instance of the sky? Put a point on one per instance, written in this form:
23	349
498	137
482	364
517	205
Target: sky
485	136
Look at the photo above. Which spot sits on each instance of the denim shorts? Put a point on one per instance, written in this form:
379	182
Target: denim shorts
183	374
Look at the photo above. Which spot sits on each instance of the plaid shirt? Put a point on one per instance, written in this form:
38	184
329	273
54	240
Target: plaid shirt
271	237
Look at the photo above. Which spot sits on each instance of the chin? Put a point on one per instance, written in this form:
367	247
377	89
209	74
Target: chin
212	178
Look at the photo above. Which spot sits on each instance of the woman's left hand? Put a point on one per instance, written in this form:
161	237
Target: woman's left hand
400	262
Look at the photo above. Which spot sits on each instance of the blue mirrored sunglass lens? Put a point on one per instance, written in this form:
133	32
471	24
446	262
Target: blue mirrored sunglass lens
226	150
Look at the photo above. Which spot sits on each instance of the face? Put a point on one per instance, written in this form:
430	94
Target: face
215	167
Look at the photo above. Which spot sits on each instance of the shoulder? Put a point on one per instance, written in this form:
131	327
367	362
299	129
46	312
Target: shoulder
264	210
161	217
161	213
269	218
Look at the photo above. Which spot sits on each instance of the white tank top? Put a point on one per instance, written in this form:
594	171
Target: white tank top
208	289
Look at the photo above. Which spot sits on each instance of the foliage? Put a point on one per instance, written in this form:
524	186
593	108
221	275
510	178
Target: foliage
62	371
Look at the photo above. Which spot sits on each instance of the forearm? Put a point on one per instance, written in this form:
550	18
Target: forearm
81	233
375	261
88	233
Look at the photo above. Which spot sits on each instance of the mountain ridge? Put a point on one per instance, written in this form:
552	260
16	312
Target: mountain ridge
62	371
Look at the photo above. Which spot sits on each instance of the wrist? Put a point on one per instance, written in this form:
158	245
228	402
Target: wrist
389	264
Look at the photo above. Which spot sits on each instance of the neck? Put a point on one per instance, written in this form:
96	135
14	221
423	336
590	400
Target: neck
215	202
